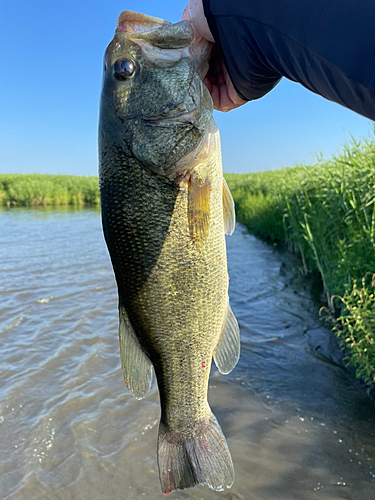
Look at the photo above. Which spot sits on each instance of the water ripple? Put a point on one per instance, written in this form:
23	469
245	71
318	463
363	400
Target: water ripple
297	425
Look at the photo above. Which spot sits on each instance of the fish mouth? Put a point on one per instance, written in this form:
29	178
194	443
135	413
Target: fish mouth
188	116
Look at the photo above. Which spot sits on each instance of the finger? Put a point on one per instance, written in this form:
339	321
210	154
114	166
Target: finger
216	85
231	91
215	95
225	103
207	83
220	76
215	62
227	100
220	86
185	14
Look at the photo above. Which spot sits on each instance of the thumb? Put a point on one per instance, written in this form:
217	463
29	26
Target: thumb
194	13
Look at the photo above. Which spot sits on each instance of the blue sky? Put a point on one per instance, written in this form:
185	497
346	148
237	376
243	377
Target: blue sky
51	57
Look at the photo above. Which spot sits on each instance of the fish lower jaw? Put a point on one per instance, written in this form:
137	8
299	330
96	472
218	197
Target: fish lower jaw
186	116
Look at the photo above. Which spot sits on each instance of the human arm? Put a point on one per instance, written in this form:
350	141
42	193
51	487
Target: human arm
217	80
326	45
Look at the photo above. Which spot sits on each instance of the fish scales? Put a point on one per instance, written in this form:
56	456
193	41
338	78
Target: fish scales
164	226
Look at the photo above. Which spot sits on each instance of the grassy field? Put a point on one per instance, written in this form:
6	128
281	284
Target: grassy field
326	214
38	189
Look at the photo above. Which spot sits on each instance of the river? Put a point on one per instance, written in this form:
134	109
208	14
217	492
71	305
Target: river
298	426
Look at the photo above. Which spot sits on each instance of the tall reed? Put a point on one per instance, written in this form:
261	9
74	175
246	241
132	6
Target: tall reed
326	214
43	189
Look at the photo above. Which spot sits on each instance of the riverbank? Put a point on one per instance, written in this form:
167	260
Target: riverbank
20	190
325	213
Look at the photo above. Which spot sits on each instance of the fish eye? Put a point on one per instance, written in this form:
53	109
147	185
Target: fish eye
123	69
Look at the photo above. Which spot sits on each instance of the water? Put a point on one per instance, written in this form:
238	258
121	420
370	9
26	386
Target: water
297	425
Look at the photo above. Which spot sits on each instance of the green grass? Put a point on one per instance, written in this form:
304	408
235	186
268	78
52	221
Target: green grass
39	189
326	214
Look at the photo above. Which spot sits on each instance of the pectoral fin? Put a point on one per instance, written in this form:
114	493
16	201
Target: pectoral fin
227	351
199	208
228	207
136	366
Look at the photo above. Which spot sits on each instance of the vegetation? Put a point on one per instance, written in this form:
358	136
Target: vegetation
39	189
356	329
326	214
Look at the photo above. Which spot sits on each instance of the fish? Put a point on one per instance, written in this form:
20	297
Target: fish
165	211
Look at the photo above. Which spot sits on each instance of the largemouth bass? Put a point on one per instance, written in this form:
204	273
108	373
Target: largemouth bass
165	211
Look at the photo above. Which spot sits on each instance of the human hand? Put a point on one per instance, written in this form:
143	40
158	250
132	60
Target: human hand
217	80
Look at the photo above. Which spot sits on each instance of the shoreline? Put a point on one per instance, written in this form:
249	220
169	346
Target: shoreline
33	190
324	214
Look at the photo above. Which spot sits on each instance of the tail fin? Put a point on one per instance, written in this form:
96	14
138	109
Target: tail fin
202	457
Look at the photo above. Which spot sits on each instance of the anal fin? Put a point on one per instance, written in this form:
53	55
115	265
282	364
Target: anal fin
227	351
228	208
136	366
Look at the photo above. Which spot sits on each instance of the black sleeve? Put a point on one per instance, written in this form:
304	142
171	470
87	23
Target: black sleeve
326	45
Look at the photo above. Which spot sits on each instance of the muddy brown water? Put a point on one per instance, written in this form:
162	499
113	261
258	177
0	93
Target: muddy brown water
298	426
